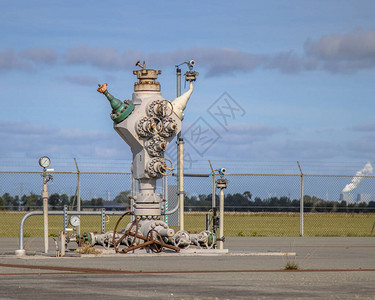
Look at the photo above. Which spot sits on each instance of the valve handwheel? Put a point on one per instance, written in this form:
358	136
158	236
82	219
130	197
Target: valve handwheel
128	232
182	239
206	240
153	127
155	237
165	170
162	108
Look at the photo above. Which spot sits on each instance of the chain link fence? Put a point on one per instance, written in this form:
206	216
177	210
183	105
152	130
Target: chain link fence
255	204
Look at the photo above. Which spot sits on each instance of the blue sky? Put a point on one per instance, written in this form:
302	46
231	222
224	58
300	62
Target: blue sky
299	73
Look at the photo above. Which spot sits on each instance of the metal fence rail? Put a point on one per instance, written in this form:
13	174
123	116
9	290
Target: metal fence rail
255	204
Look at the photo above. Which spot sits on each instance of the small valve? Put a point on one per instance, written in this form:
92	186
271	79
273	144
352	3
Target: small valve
160	108
147	126
158	167
169	127
156	145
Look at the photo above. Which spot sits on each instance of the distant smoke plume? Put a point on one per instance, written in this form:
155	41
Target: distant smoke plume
367	170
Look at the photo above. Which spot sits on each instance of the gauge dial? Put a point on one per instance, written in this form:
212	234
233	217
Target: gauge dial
44	161
74	221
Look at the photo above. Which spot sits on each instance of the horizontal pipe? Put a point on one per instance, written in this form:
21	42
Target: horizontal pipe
193	174
61	212
169	212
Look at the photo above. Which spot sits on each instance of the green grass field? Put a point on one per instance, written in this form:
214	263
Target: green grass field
235	224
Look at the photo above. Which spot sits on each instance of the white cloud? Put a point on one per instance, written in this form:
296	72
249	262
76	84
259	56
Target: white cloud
81	79
356	45
370	127
10	60
40	55
343	53
25	139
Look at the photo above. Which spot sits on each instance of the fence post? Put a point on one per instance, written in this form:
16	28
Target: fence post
78	195
301	201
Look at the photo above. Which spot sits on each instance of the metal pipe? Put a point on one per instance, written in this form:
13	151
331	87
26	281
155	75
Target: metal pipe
178	76
213	191
213	187
165	196
102	218
173	210
133	193
193	174
22	223
65	217
180	161
45	210
21	250
221	225
208	222
62	244
180	167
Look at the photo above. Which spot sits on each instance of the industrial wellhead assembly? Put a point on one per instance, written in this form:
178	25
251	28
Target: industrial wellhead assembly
148	123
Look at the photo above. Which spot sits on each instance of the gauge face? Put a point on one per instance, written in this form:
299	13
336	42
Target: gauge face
74	221
44	161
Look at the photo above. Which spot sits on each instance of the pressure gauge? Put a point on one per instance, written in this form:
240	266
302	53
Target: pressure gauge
74	221
44	161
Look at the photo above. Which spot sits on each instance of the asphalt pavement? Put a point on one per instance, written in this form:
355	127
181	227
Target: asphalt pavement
253	268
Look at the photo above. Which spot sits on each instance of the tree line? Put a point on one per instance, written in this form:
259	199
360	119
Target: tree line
56	201
244	202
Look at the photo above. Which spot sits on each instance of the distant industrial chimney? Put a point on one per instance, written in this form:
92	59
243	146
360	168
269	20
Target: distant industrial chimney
363	198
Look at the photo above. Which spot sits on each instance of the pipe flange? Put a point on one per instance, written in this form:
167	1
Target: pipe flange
156	145
169	127
158	167
160	108
148	126
141	127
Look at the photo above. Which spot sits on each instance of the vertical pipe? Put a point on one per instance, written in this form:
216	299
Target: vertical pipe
213	187
221	224
45	210
62	244
208	223
102	217
213	191
180	167
178	73
180	161
301	208
133	193
165	196
213	198
22	251
65	218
